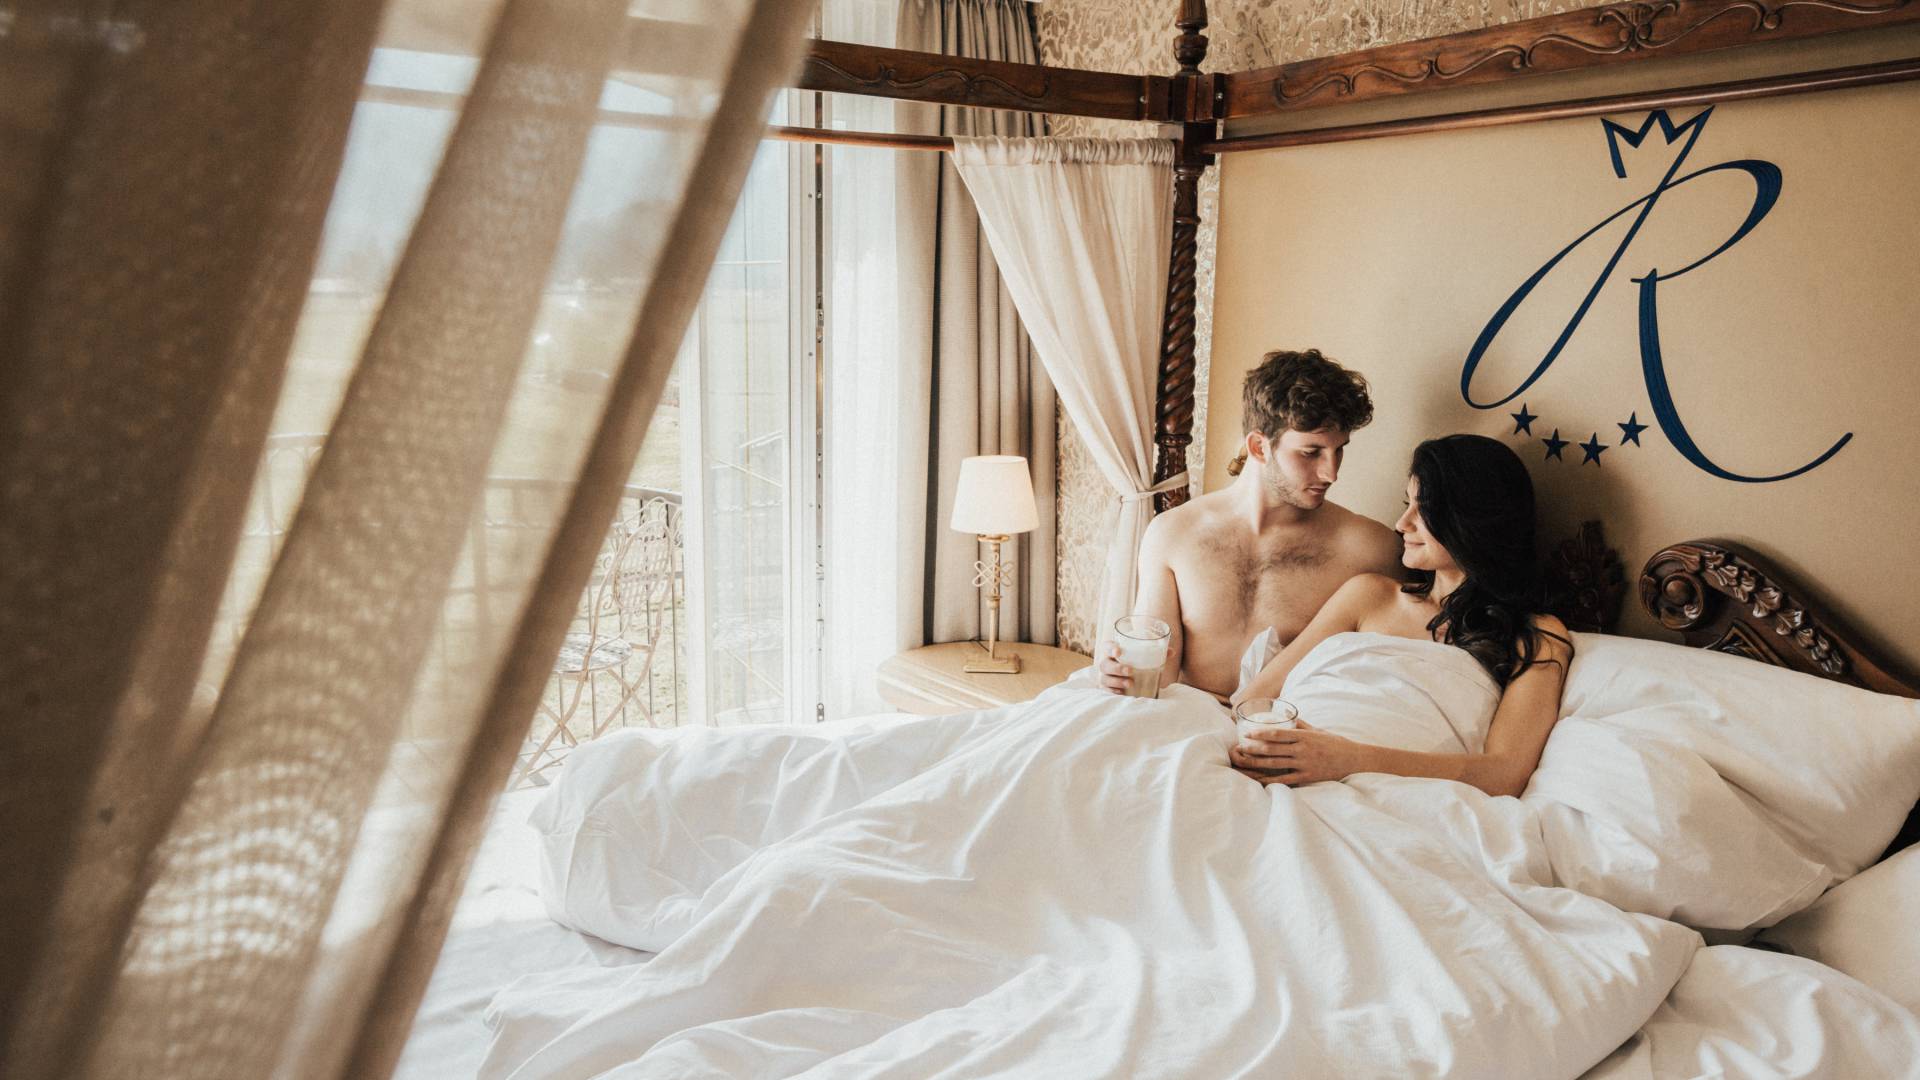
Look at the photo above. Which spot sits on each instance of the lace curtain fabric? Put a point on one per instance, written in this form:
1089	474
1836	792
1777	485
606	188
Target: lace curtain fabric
1081	229
228	855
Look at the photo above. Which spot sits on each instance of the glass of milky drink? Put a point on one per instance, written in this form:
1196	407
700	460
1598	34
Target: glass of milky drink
1263	714
1143	642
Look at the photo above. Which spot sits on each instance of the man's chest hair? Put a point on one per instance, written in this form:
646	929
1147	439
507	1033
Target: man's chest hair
1251	559
1250	577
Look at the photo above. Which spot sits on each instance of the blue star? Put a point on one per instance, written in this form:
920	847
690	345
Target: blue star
1523	420
1592	448
1555	444
1630	431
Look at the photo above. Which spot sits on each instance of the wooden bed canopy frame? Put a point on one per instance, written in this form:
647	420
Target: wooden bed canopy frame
1196	103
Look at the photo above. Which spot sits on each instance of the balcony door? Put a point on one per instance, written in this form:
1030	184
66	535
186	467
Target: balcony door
750	455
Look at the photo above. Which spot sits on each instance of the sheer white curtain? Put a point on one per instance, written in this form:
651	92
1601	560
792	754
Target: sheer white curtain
1081	229
870	564
226	855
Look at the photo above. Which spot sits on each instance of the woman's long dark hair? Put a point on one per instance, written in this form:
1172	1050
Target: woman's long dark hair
1477	500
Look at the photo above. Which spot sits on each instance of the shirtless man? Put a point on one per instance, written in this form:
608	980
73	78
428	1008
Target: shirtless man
1269	549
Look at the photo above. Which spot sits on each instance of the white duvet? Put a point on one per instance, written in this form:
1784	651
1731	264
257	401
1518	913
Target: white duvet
1076	887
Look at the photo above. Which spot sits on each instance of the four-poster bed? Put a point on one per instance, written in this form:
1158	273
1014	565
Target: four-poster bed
1723	597
719	957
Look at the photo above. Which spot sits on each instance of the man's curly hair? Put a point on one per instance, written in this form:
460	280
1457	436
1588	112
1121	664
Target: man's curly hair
1303	391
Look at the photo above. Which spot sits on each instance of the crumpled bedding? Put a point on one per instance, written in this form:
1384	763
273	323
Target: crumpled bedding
1081	887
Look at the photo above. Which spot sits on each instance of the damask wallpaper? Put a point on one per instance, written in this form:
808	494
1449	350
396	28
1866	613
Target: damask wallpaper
1135	38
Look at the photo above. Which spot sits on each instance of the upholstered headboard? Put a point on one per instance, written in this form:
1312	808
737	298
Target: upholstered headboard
1721	596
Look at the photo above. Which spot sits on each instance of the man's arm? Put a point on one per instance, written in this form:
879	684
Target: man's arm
1159	597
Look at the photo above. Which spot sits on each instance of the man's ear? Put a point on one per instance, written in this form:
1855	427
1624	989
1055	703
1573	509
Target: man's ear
1256	446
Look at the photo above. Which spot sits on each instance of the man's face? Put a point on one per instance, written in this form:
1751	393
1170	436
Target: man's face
1299	466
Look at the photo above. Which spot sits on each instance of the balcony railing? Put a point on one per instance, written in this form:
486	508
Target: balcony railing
624	662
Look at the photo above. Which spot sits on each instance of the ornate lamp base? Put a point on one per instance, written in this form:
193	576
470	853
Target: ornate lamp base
992	576
1006	664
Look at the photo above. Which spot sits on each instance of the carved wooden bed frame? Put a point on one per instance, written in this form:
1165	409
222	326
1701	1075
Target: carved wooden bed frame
1717	595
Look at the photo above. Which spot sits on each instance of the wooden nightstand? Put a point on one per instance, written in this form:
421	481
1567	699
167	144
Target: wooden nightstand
930	681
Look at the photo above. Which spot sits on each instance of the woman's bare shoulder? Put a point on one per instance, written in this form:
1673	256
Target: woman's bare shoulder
1554	638
1370	592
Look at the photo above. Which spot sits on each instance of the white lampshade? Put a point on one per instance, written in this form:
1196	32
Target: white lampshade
994	496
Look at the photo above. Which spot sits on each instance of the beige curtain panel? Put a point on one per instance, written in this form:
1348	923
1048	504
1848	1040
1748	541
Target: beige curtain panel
1081	229
975	387
244	779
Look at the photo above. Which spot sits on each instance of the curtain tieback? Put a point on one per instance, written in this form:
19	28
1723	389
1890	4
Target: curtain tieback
1171	483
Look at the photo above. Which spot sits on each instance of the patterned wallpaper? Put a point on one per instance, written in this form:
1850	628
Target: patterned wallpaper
1135	38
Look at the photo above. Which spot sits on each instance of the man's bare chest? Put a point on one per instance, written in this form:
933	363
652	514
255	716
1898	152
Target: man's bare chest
1245	584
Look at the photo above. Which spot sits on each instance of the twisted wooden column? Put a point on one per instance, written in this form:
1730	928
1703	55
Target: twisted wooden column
1173	409
1195	95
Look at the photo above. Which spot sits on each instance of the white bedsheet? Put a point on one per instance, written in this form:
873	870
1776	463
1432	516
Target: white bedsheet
500	932
1742	1012
1077	887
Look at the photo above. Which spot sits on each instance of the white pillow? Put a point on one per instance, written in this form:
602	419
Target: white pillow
1651	828
1868	927
1833	768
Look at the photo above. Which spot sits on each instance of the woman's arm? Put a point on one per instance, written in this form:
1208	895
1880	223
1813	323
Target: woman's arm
1342	612
1528	709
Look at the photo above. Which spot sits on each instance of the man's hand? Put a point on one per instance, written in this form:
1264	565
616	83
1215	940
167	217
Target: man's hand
1115	677
1296	756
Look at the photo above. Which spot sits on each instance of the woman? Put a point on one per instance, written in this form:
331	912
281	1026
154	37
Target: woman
1467	534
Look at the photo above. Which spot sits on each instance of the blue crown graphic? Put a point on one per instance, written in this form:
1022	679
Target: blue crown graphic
1617	134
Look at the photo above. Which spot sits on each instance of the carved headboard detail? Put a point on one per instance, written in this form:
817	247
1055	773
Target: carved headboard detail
1585	581
1721	596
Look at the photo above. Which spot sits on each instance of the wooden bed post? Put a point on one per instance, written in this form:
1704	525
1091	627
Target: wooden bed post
1194	95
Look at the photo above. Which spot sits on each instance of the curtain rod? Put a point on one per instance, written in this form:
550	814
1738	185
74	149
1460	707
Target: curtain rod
1829	79
884	139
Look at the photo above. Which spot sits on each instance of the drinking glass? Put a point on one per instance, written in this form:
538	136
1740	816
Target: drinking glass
1143	642
1264	714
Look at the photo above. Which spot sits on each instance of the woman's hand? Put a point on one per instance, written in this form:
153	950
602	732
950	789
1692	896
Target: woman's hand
1298	755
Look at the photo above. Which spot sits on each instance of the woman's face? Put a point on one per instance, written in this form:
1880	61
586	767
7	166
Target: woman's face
1418	549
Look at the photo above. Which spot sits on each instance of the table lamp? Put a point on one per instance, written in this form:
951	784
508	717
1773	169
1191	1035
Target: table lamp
994	500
